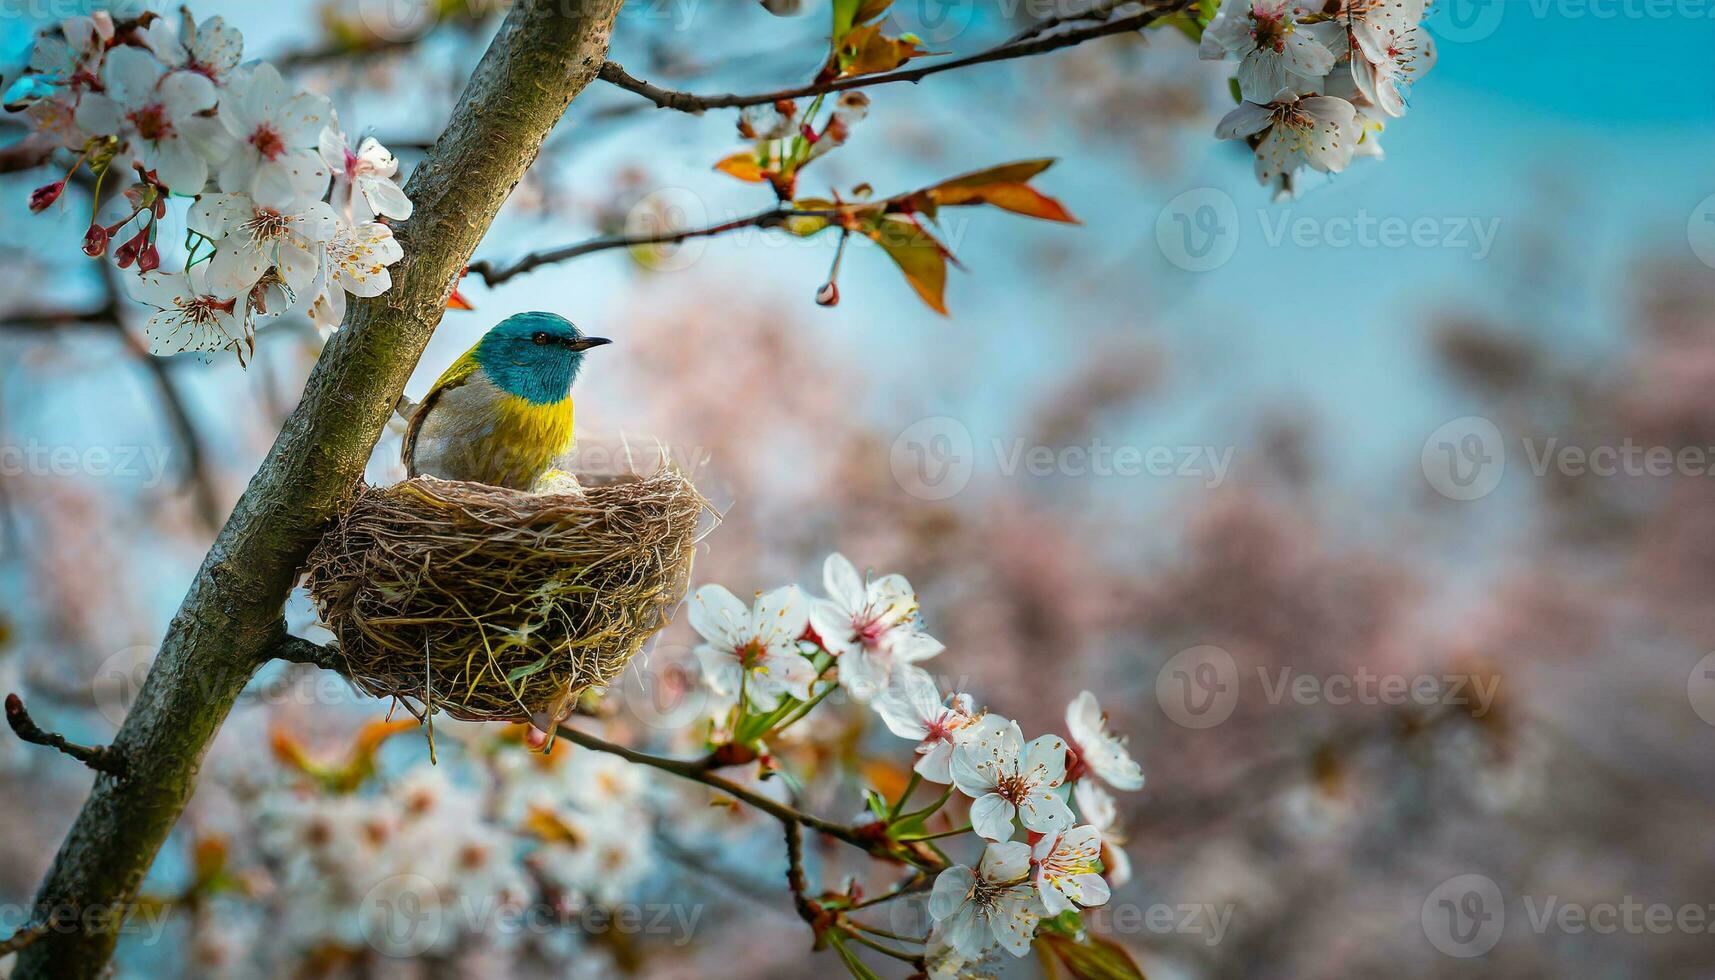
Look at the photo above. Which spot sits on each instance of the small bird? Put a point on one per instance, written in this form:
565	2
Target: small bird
503	412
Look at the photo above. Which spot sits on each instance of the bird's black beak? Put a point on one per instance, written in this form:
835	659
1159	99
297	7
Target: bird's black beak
588	342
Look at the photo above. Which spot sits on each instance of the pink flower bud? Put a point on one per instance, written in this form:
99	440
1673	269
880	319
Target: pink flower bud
95	241
43	197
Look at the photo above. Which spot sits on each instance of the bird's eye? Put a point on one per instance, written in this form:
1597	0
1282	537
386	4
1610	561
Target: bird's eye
540	338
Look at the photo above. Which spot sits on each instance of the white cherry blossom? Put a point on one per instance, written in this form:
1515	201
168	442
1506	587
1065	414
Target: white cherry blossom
913	708
1277	53
1065	866
277	131
870	625
1096	805
1320	132
158	112
211	49
356	261
1008	778
251	239
995	902
71	59
189	316
1408	56
1098	750
363	185
754	648
1373	22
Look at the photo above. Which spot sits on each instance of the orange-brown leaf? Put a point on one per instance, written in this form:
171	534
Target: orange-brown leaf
1016	172
866	51
743	165
1017	198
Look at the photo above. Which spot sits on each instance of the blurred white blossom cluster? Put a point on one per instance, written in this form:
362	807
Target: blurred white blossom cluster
284	214
532	837
1317	83
786	652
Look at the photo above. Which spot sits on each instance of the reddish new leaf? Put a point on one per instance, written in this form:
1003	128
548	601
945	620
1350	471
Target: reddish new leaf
1093	959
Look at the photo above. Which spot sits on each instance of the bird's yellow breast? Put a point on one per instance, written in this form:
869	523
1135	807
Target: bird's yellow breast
521	422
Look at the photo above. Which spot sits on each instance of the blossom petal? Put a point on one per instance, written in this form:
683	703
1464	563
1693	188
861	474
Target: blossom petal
952	887
720	617
991	817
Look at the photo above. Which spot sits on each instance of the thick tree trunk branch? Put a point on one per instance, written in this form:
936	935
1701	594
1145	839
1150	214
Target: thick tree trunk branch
545	53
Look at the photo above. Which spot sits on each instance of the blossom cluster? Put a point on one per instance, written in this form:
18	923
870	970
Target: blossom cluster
569	828
1317	83
284	215
866	637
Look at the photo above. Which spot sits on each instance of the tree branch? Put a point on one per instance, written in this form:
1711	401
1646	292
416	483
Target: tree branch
99	758
494	275
544	54
297	650
697	771
1022	46
22	938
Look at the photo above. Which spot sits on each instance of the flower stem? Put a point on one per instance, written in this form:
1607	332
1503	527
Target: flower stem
945	833
697	771
899	804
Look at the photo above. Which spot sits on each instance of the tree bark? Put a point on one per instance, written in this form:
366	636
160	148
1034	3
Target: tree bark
230	621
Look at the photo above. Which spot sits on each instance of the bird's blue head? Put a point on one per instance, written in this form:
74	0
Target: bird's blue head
535	356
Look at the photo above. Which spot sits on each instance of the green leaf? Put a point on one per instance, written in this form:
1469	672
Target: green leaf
845	14
853	964
921	258
1233	87
876	802
519	673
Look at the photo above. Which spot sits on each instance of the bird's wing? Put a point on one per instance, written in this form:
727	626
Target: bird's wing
458	374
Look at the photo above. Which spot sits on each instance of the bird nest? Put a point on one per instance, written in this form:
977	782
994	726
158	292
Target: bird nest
493	604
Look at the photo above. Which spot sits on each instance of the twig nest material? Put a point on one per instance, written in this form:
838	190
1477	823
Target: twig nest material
491	604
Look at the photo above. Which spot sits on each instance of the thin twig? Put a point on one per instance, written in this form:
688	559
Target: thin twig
494	275
697	771
100	758
22	938
615	74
